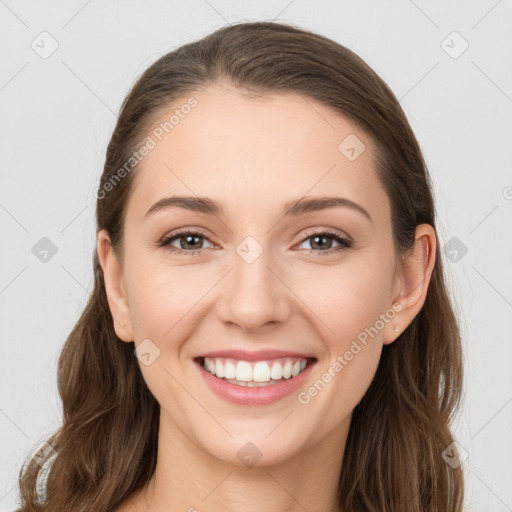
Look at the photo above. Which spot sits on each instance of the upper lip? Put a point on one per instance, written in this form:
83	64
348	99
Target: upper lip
256	355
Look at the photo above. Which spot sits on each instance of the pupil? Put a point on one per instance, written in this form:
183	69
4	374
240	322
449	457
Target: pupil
188	238
319	238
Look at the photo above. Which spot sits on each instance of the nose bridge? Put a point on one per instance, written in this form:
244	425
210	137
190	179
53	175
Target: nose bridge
253	296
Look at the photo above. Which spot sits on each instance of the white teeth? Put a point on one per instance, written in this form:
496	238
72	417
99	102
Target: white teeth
219	369
261	372
251	383
229	370
254	374
277	371
243	371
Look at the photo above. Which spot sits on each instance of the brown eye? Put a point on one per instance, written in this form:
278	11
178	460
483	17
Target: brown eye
322	242
189	242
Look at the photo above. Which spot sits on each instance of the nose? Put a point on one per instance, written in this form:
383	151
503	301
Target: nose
254	295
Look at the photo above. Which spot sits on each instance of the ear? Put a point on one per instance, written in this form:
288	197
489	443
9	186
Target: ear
114	286
412	279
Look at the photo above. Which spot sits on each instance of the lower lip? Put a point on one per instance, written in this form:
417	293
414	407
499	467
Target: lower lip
243	395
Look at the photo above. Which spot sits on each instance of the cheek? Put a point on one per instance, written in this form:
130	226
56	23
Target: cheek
162	296
347	298
348	306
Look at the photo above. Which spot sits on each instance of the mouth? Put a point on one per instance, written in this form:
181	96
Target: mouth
255	374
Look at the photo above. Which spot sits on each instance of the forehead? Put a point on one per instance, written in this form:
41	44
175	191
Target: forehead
254	153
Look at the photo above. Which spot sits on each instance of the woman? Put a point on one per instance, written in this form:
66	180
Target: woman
269	328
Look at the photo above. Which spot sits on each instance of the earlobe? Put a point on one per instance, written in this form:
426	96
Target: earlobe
114	286
414	273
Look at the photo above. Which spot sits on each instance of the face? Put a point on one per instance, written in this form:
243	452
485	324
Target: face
313	281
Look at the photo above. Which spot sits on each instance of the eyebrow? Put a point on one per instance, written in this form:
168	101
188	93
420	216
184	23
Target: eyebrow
293	208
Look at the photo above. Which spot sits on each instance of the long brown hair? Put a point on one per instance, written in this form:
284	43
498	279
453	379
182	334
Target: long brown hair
107	445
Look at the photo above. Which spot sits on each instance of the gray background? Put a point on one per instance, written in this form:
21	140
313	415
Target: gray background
57	116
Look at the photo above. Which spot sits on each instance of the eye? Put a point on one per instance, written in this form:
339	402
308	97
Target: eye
189	242
323	240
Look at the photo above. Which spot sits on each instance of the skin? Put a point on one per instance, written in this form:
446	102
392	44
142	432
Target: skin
253	154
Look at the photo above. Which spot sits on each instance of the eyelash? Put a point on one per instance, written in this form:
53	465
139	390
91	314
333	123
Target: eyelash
345	243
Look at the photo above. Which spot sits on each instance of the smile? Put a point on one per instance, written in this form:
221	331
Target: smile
255	373
254	382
